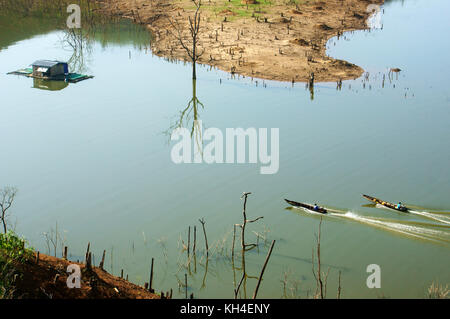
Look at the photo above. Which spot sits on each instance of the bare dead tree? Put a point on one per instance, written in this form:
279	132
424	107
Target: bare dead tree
7	196
244	224
321	278
244	246
194	30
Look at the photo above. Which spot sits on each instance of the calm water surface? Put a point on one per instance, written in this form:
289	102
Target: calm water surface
94	157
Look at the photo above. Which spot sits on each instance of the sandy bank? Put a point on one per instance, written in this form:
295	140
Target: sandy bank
278	40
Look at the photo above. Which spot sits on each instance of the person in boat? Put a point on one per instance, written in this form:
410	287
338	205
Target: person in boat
399	205
316	207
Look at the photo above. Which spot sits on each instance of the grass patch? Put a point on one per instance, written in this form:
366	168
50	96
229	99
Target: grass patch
237	8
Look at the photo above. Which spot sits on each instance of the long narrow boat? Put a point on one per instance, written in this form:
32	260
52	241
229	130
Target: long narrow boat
386	204
310	207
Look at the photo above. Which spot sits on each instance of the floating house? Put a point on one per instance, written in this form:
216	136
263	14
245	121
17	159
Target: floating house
51	70
46	69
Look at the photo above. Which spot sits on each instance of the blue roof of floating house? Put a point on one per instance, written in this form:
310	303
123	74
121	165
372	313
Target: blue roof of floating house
47	63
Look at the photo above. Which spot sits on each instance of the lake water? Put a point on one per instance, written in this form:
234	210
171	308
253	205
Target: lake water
94	157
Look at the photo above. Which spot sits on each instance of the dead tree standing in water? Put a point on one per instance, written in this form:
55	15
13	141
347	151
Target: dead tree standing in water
194	29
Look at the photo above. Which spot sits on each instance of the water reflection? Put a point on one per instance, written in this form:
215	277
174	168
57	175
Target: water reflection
49	85
106	32
189	118
79	42
20	20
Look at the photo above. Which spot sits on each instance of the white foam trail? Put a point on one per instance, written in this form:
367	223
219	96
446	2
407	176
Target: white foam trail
397	227
441	219
414	231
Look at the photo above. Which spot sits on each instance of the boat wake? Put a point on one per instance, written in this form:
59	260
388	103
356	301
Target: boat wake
434	232
400	228
441	219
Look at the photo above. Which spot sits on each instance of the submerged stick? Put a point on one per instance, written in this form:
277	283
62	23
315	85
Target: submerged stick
319	261
320	285
234	239
151	277
195	240
189	242
244	212
87	251
88	261
103	260
339	286
202	221
185	285
263	269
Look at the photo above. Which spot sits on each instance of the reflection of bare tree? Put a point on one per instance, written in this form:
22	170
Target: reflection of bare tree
79	42
190	113
310	86
189	118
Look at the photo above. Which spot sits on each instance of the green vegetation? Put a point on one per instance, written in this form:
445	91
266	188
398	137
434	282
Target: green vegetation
238	8
246	9
23	19
13	251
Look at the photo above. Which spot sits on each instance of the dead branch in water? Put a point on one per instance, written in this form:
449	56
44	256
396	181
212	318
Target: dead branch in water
339	286
195	240
263	269
189	242
244	246
202	221
321	278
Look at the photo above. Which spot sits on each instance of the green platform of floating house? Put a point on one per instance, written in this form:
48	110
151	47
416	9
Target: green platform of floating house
51	70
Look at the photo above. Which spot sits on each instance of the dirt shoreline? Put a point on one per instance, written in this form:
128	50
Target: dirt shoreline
267	40
47	279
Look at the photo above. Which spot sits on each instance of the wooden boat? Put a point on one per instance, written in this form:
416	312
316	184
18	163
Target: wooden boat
320	210
386	204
